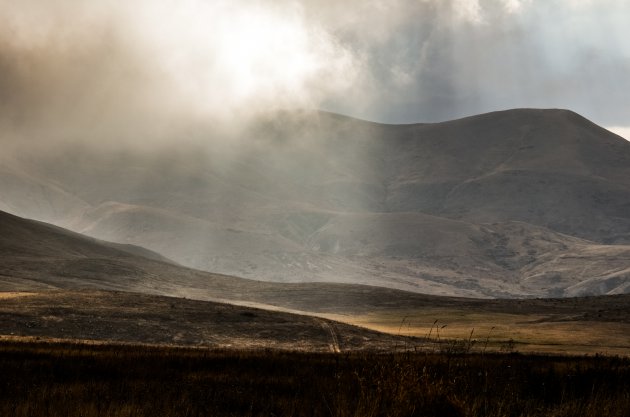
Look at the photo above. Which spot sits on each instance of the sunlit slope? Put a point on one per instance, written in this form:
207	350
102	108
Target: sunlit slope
520	202
410	251
498	259
36	255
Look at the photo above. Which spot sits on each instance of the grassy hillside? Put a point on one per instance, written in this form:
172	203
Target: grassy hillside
596	325
144	319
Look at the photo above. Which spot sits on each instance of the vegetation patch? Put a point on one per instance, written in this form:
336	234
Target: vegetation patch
64	379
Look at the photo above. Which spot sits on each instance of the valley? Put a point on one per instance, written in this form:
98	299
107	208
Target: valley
61	285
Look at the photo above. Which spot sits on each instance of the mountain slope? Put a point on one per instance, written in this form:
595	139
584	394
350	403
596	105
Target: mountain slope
36	256
520	202
550	168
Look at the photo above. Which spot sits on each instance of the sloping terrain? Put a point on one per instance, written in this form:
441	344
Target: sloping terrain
550	168
101	316
36	256
52	282
35	196
514	203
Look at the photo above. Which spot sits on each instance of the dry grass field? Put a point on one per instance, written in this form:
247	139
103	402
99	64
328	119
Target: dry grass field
595	325
79	380
371	319
128	318
498	331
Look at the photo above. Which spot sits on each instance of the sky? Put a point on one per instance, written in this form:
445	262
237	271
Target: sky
115	68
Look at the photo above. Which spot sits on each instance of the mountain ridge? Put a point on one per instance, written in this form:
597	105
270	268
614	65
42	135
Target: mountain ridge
312	196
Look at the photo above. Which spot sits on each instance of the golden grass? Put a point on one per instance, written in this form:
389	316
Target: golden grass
13	294
529	333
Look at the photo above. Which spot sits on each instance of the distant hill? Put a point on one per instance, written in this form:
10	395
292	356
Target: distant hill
522	202
551	168
36	256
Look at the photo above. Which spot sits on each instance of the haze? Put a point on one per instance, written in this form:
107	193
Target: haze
146	71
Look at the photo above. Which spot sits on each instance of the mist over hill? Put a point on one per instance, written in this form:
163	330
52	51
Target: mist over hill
516	203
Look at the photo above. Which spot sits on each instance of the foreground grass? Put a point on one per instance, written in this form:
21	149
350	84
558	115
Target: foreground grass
39	379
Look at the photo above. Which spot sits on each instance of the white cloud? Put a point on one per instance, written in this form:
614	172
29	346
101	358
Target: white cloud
468	10
515	6
472	11
235	54
118	66
388	60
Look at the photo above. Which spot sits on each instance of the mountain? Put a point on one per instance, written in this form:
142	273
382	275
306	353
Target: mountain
551	168
516	203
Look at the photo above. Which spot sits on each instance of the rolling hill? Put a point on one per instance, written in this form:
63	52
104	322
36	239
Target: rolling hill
59	285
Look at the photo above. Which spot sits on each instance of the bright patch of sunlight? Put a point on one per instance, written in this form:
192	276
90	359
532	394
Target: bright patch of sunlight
230	54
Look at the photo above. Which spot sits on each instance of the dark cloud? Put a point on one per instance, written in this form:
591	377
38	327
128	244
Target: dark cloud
439	66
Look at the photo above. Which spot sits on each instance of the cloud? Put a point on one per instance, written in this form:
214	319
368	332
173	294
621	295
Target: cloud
469	10
123	70
462	57
516	6
243	53
116	69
